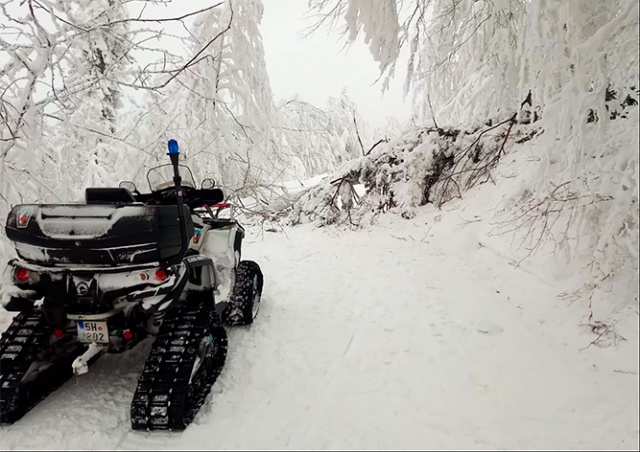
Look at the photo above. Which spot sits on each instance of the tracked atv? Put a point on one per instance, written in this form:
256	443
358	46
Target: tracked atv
102	276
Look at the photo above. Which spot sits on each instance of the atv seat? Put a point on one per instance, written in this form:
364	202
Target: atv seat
108	195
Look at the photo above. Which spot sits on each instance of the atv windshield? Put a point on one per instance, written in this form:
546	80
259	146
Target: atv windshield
161	177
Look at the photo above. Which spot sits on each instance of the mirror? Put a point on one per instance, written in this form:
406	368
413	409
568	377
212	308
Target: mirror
128	185
208	183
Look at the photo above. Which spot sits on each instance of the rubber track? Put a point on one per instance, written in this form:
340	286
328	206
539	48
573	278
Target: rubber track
27	341
164	399
243	293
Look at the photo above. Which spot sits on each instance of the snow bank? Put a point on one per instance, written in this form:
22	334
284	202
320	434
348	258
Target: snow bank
580	226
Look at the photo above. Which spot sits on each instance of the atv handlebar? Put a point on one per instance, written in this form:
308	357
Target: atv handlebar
220	205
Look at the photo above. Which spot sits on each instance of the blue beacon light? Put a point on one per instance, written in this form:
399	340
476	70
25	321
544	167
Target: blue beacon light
173	147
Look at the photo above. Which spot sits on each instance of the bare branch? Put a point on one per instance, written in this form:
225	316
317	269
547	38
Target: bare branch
193	61
169	19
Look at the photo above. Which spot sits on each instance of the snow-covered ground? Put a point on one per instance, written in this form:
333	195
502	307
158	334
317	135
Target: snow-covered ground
409	334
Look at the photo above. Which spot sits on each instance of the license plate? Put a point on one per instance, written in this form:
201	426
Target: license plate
93	332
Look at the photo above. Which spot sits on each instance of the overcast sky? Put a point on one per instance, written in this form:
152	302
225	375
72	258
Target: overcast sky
319	67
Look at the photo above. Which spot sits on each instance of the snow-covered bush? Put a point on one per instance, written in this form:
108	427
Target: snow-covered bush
425	165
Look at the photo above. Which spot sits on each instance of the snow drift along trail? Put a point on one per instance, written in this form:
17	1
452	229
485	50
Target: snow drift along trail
407	335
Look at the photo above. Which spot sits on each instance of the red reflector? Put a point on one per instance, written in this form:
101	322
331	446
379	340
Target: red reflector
23	219
22	274
161	275
127	335
144	276
58	333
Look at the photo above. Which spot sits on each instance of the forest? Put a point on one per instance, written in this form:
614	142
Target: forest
91	91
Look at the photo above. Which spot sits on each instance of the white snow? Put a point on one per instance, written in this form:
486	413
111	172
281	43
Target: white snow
82	222
409	334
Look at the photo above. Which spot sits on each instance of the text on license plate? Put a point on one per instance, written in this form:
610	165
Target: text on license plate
93	332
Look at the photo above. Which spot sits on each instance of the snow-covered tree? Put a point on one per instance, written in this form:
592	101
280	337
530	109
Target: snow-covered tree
322	139
223	110
85	140
569	67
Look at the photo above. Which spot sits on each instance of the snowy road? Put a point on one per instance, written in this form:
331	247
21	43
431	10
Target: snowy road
403	336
